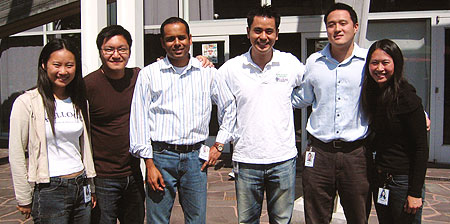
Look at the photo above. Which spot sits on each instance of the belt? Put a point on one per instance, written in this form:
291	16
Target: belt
80	179
337	145
179	148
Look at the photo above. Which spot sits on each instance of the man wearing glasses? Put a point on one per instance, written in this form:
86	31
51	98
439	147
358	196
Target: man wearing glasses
119	183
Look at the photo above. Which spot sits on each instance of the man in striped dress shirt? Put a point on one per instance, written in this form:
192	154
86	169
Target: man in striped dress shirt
169	123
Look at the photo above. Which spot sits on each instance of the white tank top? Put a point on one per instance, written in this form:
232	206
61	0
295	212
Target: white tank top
64	150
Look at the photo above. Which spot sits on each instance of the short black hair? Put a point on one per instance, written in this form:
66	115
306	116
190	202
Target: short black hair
111	31
172	20
342	6
264	11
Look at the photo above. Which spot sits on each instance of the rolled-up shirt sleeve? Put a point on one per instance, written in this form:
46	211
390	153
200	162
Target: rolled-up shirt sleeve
140	139
226	108
303	95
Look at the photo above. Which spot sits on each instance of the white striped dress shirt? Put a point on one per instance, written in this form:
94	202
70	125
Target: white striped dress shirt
176	108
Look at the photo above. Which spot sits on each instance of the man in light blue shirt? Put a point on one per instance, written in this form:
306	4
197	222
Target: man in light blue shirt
169	122
332	84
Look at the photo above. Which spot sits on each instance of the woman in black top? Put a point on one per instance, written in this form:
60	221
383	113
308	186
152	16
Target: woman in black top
397	117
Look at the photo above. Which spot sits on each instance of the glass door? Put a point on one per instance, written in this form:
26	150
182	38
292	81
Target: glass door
216	49
440	116
311	43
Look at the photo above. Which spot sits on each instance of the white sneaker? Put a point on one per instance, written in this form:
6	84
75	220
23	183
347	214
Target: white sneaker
231	174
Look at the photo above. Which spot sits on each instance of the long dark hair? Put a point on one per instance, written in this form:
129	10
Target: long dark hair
387	95
76	88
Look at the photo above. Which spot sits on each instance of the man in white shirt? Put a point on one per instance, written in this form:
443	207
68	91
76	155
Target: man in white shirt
169	123
264	155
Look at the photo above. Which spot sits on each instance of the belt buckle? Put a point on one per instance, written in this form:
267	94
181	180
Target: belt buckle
336	144
176	148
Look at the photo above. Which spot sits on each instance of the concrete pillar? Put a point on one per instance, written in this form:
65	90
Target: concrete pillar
130	15
93	19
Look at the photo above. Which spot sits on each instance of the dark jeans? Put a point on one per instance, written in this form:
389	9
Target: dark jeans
345	172
398	192
61	201
119	198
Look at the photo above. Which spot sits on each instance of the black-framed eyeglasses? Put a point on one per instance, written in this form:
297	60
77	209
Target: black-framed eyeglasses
120	50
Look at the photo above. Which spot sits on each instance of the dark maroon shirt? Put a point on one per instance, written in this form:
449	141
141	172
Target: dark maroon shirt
109	109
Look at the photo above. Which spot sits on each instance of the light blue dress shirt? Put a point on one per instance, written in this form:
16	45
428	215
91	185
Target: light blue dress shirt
176	108
333	89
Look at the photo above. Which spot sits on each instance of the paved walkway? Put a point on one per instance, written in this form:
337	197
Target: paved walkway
222	200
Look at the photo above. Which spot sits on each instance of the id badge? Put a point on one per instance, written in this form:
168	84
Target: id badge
204	152
383	196
87	193
309	158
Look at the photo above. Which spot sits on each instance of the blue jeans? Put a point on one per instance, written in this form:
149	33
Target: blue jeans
277	179
398	192
61	201
181	172
119	198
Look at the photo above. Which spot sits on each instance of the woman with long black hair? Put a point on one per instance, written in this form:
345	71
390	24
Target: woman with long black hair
396	117
51	123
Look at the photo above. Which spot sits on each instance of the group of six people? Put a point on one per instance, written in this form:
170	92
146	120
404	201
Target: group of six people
84	137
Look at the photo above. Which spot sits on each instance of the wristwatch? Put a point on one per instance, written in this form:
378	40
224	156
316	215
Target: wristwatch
219	147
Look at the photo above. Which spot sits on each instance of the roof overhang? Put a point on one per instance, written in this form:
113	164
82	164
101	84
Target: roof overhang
20	15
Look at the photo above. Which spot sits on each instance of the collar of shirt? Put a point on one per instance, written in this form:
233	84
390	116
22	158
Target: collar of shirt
356	53
193	63
249	61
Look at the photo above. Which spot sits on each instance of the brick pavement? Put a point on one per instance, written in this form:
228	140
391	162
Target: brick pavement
222	200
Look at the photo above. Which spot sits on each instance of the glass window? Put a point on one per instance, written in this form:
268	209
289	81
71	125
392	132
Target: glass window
407	5
152	46
156	11
446	139
234	8
201	10
112	13
68	23
314	45
239	44
35	29
74	37
413	38
213	50
300	8
18	71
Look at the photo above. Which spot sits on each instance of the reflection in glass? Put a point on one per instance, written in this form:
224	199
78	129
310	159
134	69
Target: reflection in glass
74	37
408	5
18	72
35	29
152	46
413	38
68	23
301	8
156	11
314	45
201	10
234	8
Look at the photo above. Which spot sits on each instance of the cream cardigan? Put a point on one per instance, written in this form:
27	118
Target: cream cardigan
27	131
